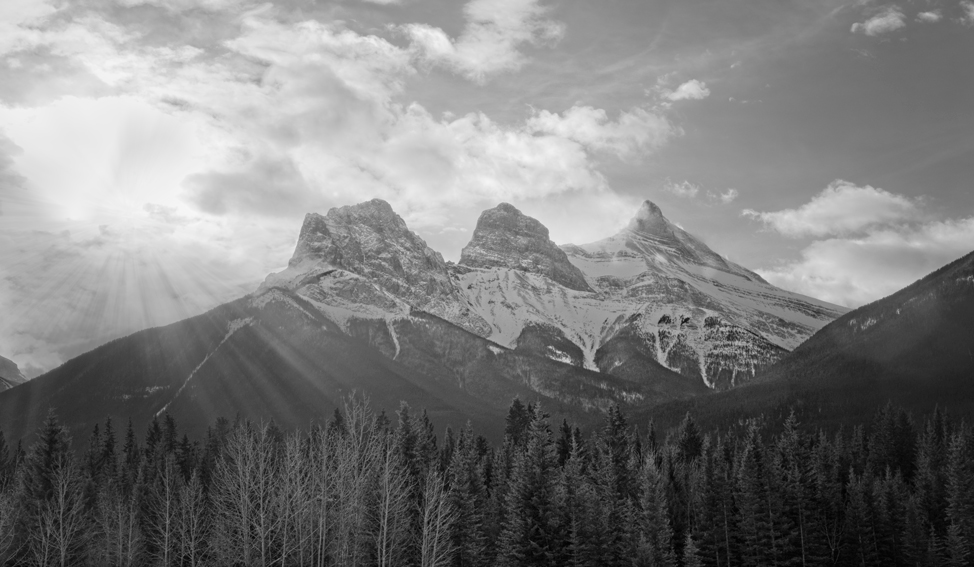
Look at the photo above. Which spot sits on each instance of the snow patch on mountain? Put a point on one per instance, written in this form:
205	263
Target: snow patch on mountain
653	286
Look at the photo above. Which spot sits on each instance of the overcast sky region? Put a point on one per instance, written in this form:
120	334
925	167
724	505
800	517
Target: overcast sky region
157	156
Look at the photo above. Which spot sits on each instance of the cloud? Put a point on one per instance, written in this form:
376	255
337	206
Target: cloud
185	5
683	189
490	41
199	162
931	17
728	197
841	208
634	131
856	270
968	17
690	90
890	19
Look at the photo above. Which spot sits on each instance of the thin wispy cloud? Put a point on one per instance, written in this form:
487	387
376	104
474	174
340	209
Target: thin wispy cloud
967	17
683	189
634	131
491	40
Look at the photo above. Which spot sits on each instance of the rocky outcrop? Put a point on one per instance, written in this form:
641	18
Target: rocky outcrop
507	238
371	240
10	374
365	255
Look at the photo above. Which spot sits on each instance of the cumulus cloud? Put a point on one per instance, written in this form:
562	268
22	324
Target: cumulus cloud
856	270
930	17
199	162
841	208
690	90
867	243
633	131
889	19
490	41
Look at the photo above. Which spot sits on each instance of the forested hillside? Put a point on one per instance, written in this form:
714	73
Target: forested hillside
362	490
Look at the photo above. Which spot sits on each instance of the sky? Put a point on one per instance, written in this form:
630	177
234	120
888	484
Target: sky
157	157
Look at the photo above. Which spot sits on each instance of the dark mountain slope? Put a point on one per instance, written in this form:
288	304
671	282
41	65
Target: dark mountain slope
914	348
275	356
271	356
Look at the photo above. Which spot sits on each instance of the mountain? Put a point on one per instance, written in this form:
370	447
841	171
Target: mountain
507	238
653	293
648	316
363	305
914	348
10	374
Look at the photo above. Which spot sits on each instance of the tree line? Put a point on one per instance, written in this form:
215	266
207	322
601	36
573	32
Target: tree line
362	491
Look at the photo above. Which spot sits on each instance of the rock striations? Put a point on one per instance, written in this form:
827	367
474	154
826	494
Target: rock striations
507	238
364	258
651	298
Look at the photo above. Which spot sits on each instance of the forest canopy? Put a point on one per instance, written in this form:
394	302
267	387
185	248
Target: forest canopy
363	491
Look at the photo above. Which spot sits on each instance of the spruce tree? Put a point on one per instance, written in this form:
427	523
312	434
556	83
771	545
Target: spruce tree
532	535
655	547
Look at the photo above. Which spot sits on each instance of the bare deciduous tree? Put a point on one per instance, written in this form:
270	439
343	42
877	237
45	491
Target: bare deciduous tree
163	514
391	522
60	528
8	518
194	522
118	539
439	516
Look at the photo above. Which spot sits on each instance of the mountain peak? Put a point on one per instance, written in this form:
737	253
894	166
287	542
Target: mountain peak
649	219
507	238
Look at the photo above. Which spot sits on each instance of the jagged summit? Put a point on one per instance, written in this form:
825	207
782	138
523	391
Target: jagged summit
650	235
317	239
649	219
652	294
507	238
367	255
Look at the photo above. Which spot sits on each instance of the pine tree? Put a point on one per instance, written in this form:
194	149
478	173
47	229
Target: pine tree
518	420
960	494
691	554
531	535
468	496
655	546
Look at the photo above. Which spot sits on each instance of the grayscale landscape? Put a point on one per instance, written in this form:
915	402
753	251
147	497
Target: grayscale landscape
432	283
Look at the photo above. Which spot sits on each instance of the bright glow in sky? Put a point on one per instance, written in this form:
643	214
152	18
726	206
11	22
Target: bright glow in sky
157	156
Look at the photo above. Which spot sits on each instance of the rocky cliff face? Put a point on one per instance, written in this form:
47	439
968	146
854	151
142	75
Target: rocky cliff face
507	238
660	295
647	304
10	374
364	256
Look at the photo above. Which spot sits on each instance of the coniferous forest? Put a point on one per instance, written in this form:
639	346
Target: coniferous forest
364	491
